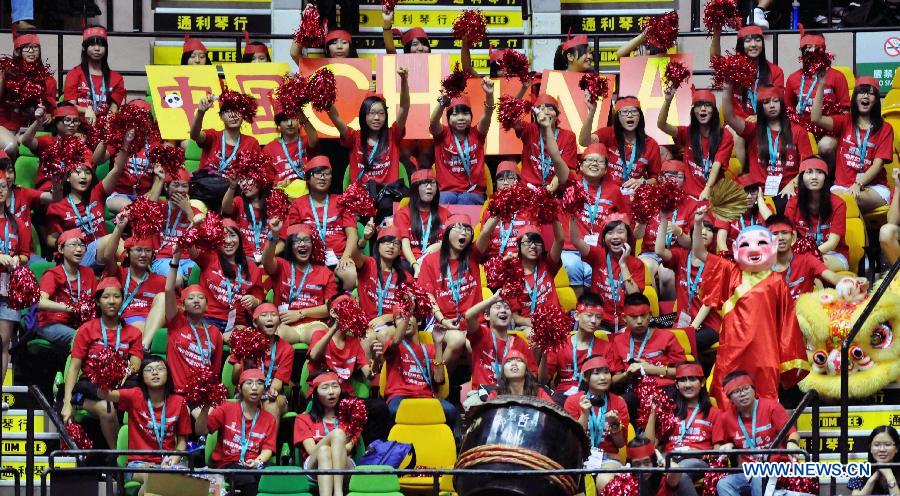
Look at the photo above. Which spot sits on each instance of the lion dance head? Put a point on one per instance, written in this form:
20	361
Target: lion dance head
826	319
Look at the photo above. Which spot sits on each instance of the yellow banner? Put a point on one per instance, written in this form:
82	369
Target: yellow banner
261	81
175	92
858	420
20	447
17	463
19	423
439	19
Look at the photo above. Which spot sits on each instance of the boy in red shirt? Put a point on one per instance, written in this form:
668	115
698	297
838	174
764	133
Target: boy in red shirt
221	147
338	352
276	364
800	269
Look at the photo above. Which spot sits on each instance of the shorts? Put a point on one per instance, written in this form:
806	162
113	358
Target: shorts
160	266
841	258
651	255
90	255
601	459
141	464
579	272
310	464
87	390
135	318
883	191
119	195
7	313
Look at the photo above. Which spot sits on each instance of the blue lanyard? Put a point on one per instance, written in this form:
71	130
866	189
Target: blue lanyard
862	147
295	164
593	209
170	225
86	221
129	295
546	161
597	423
337	424
225	162
773	148
77	296
294	292
426	372
693	284
7	244
205	352
707	165
159	429
106	340
590	349
686	424
631	355
499	359
628	166
256	226
749	437
614	284
426	231
271	368
506	233
231	285
245	440
669	235
382	292
751	95
321	227
534	291
455	286
819	237
464	154
96	99
362	170
805	96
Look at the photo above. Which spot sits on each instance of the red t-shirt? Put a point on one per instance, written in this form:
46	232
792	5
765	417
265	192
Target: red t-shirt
803	87
89	215
12	117
698	435
819	229
287	167
141	425
15	237
253	242
183	352
613	301
139	293
59	289
224	292
77	89
770	418
605	198
615	403
647	165
435	282
89	339
682	217
23	200
660	348
531	135
848	165
335	219
213	159
176	224
137	176
505	236
404	373
368	283
450	170
696	180
314	291
44	142
284	360
560	362
788	165
384	169
679	264
540	286
488	353
742	105
802	273
227	418
306	428
403	223
342	361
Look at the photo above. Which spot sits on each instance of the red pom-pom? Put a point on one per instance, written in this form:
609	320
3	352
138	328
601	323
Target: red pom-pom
471	26
506	273
830	106
79	436
248	343
208	236
455	84
204	389
105	368
669	196
170	158
352	416
388	6
357	200
805	485
805	244
312	30
551	327
147	217
317	252
277	204
815	59
621	485
739	70
507	202
351	319
63	155
596	85
543	205
413	300
84	309
291	94
643	203
648	393
24	290
253	165
130	116
676	75
321	90
721	13
24	83
245	105
710	479
514	64
574	198
511	110
662	31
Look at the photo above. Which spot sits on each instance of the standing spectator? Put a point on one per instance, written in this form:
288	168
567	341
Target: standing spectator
92	86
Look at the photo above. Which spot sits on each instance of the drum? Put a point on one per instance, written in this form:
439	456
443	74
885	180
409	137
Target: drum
520	433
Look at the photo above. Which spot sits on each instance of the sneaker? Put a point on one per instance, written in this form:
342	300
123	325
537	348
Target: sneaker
759	18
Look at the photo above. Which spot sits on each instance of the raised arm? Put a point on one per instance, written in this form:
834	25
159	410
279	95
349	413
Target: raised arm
552	149
715	44
338	121
731	119
197	133
475	311
312	136
387	32
662	121
816	114
697	247
586	134
465	58
171	298
659	245
483	241
28	137
118	166
632	45
484	124
108	255
403	111
576	239
270	265
559	237
434	124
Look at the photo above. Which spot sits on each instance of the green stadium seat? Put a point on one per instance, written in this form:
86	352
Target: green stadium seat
193	151
374	484
160	342
26	171
285	485
191	165
102	170
131	487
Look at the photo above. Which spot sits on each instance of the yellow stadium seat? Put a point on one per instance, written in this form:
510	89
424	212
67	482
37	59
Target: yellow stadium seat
734	167
622	455
590	487
421	422
562	278
852	206
403	202
685	342
489	182
848	73
519	334
650	292
601	335
855	237
813	143
876	218
482	275
568	300
444	389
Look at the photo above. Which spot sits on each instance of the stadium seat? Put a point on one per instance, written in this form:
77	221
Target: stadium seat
102	170
131	487
227	369
211	440
855	235
374	484
443	390
622	455
687	342
26	171
286	485
159	345
192	151
421	422
568	300
489	182
734	167
848	73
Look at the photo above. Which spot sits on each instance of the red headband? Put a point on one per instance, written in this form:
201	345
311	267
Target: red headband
263	308
688	370
412	34
25	39
628	101
593	363
322	379
582	308
251	49
642	451
815	39
635	310
750	31
737	383
574	41
92	32
770	92
780	226
868	80
248	374
66	111
703	96
813	163
193	288
191	44
338	34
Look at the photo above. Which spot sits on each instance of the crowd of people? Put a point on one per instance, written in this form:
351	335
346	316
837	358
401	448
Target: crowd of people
479	338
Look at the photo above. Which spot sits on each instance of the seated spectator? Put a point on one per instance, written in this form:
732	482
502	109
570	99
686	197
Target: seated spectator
290	150
26	48
194	52
277	363
642	454
221	147
66	122
15	251
498	237
21	200
379	276
255	52
800	269
547	149
883	442
250	211
518	379
247	432
420	234
539	266
335	350
180	215
92	85
756	214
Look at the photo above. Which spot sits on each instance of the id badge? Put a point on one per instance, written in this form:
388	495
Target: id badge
232	315
684	320
257	258
627	191
859	176
283	308
572	390
4	284
330	258
773	185
592	239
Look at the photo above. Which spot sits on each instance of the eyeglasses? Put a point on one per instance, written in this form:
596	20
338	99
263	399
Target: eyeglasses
303	241
150	370
532	243
324	174
31	47
394	243
673	175
630	112
142	250
742	391
71	121
76	244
